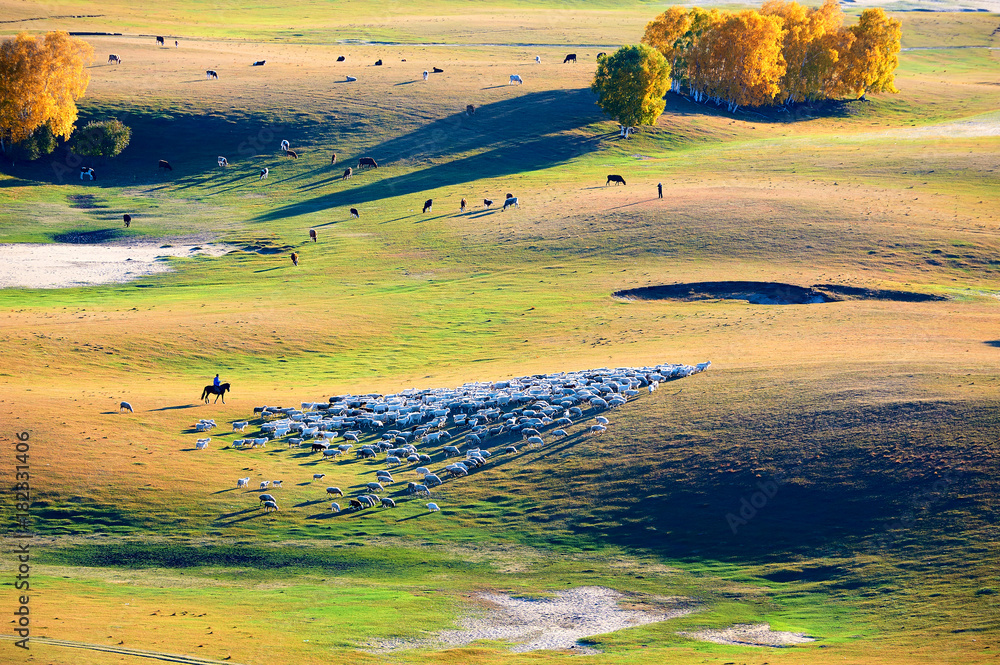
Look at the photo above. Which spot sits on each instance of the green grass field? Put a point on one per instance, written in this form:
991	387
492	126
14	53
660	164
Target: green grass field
877	417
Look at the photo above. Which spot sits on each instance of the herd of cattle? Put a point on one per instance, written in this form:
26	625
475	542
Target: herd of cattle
405	433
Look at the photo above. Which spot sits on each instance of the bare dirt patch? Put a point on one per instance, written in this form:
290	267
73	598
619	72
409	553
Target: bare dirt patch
769	293
59	265
754	635
556	623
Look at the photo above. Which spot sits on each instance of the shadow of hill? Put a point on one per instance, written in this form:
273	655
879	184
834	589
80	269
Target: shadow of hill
526	133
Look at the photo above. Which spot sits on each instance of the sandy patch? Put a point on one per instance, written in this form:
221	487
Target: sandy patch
547	623
61	265
754	635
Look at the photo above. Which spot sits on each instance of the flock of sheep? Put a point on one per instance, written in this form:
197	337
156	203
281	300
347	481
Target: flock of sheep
409	431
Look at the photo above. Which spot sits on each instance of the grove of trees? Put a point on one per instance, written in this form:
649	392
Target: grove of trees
40	81
782	53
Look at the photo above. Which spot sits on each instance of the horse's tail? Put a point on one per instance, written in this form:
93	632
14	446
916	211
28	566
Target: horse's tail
204	393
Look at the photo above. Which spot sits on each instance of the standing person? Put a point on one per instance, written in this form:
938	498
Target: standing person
659	189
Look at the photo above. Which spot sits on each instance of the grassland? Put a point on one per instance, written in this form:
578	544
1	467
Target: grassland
878	417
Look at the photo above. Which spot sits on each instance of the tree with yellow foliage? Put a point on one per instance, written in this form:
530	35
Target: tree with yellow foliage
870	63
630	85
738	61
674	33
40	81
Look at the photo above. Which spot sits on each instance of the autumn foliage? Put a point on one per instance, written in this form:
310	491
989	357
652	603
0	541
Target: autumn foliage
40	81
782	53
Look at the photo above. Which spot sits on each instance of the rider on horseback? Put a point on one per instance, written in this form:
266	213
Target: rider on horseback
216	381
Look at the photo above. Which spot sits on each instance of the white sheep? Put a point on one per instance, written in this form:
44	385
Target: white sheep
319	476
601	420
269	506
433	507
335	507
425	74
275	483
334	490
242	482
125	406
264	484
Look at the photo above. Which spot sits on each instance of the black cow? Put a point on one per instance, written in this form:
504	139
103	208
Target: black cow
160	42
259	63
615	179
367	161
378	63
470	109
341	58
115	59
427	204
127	219
211	74
487	203
354	213
164	164
570	58
438	70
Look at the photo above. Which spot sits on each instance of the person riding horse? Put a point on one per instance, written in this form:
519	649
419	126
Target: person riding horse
218	389
216	381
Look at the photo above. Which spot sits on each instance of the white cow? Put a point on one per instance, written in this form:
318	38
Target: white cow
514	78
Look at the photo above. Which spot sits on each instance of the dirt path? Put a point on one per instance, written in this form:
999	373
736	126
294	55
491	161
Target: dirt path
140	653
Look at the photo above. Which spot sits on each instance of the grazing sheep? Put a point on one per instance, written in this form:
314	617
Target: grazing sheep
276	483
392	459
422	471
433	507
263	173
240	425
559	432
354	213
510	449
285	145
223	162
266	497
312	235
335	507
432	480
269	506
597	429
421	489
351	79
319	476
242	482
427	205
201	444
388	503
375	487
125	406
264	484
425	74
537	440
365	500
334	490
514	78
601	420
350	436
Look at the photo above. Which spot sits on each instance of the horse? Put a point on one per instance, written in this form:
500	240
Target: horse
217	391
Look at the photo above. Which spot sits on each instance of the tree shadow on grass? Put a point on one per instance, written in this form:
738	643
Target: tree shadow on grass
522	134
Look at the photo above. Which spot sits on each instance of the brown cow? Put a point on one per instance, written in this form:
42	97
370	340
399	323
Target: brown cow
348	173
291	153
334	160
295	259
312	234
462	208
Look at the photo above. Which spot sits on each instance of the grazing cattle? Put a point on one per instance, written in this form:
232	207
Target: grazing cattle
470	110
211	74
292	154
438	70
354	213
351	79
367	161
87	171
341	58
487	203
569	58
378	63
259	63
160	42
426	74
127	219
263	173
312	234
538	59
509	195
333	160
427	204
510	203
348	173
164	164
176	43
285	145
601	55
125	406
223	162
295	259
615	179
115	59
461	207
514	78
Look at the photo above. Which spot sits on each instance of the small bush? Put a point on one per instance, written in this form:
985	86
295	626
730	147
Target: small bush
106	138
